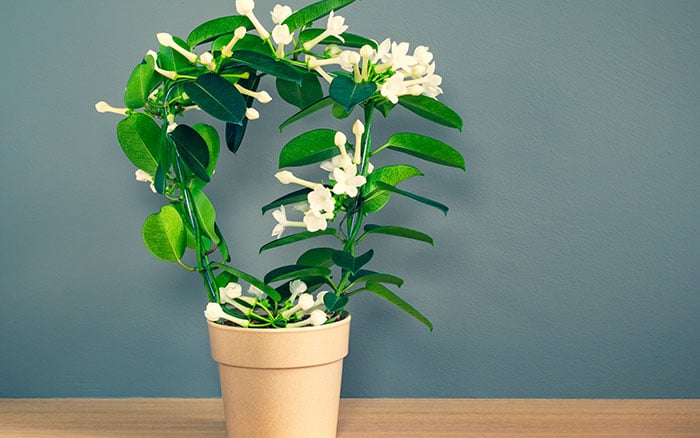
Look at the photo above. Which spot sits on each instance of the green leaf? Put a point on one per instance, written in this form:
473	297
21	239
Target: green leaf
225	278
398	231
313	12
399	302
213	29
296	238
291	272
432	110
320	104
377	198
442	207
317	257
347	93
290	198
271	292
335	303
169	59
222	245
217	97
308	148
206	215
139	137
351	263
211	137
351	40
300	94
193	150
268	65
249	42
339	112
142	81
164	234
364	276
426	148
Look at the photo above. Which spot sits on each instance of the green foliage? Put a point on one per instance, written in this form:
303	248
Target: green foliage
139	137
346	92
426	148
432	110
300	94
393	230
193	150
387	294
268	65
377	196
164	234
218	97
351	263
308	148
141	83
290	198
312	108
215	28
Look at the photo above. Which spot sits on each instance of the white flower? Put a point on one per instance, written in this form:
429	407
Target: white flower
348	60
296	287
171	127
347	181
335	26
165	39
334	163
257	293
306	301
394	87
382	53
314	222
230	292
252	114
282	36
280	216
245	7
280	13
423	56
399	57
142	176
238	35
213	312
340	140
318	317
321	203
207	59
104	107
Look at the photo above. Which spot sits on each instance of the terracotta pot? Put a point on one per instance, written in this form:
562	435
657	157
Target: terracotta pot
280	383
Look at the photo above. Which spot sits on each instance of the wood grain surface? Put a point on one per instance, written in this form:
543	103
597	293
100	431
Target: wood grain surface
361	418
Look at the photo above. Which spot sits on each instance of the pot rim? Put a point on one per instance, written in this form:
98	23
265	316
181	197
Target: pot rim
346	317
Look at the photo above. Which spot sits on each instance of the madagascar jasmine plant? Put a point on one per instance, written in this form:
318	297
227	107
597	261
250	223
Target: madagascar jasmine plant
218	69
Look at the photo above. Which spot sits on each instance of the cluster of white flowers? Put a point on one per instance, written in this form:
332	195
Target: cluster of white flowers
320	204
304	307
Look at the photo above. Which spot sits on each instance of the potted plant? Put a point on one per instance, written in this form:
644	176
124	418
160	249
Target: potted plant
292	323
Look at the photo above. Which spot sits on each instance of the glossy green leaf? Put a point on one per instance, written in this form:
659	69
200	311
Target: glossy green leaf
432	110
141	83
351	263
335	303
268	65
290	198
164	234
347	93
308	148
317	257
193	150
423	200
292	272
213	29
364	276
313	12
169	59
217	97
351	40
339	112
320	104
398	231
426	148
399	302
225	278
139	136
222	245
211	137
270	291
298	237
301	94
376	197
206	215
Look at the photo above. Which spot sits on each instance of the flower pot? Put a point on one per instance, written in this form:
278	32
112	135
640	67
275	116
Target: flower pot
280	382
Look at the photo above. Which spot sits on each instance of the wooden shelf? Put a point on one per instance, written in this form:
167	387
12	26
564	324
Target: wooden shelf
361	418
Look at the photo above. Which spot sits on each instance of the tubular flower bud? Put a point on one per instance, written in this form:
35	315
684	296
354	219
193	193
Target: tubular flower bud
165	39
260	96
252	114
104	107
167	73
336	26
214	312
287	177
358	129
245	7
238	35
207	59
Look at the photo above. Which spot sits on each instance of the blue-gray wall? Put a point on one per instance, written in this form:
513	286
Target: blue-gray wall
568	266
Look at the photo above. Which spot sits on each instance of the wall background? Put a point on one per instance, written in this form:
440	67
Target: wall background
569	265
